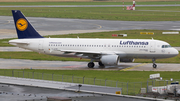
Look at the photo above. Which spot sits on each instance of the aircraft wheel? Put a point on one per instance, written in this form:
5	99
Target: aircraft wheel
90	64
154	66
101	64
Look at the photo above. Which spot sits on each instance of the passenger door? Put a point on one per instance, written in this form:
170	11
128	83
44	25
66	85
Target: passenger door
40	46
152	47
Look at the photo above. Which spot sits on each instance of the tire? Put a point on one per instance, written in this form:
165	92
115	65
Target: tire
101	64
90	64
154	66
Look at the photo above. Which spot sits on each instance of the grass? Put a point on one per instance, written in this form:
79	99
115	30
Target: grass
103	13
92	3
63	3
121	76
4	43
37	56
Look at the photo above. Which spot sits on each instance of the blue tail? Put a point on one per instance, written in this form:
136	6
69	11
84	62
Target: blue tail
23	27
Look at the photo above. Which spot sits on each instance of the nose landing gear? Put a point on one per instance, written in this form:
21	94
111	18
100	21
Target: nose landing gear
154	63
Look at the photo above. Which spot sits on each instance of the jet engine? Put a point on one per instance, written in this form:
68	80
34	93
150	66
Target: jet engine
127	60
109	59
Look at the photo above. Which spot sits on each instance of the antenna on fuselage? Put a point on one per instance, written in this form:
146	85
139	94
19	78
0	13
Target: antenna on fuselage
152	38
78	37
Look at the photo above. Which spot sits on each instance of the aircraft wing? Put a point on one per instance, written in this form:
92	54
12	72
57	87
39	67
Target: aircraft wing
90	54
94	52
80	52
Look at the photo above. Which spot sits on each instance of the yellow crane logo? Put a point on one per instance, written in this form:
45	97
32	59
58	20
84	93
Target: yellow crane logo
21	24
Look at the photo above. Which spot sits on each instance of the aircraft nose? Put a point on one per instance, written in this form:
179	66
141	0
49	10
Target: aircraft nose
175	52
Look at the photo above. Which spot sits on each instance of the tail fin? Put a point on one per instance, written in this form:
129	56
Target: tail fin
23	27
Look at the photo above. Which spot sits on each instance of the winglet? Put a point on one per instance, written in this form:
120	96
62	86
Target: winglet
23	27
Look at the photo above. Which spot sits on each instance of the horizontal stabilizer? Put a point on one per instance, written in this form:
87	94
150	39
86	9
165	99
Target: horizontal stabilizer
15	42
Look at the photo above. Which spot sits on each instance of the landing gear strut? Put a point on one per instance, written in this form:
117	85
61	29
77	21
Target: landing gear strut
91	64
154	63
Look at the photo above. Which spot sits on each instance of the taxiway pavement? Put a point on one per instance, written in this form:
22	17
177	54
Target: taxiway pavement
57	26
73	65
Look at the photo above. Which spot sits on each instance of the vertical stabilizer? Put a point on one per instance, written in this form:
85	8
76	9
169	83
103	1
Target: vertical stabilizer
23	27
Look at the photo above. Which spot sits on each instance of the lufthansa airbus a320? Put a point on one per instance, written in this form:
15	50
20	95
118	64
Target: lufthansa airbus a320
104	51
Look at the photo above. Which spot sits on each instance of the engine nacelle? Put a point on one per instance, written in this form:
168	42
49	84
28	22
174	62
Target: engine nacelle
127	60
110	59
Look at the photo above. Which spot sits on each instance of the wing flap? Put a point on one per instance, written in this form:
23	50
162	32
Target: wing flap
80	52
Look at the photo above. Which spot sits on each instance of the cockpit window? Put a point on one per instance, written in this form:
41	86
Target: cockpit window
166	46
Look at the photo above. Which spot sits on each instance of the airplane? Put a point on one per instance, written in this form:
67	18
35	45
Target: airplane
107	52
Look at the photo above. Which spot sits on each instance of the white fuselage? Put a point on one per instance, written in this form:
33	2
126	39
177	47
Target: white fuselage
81	47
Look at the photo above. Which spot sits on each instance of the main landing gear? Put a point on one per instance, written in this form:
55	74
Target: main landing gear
154	63
101	64
91	64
